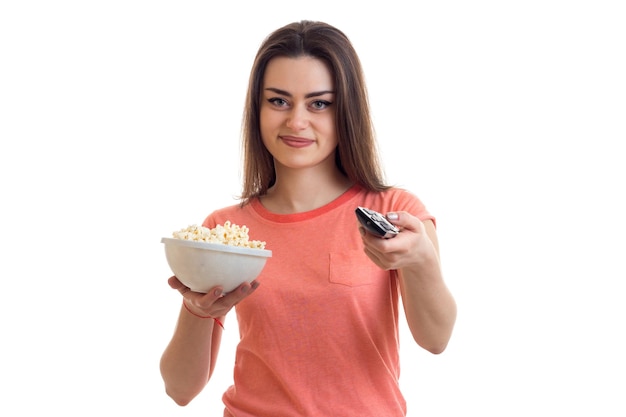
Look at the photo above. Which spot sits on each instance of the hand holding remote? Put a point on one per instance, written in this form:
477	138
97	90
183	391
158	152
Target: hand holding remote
376	223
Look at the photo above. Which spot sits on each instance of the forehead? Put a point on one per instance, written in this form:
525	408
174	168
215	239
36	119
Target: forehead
303	74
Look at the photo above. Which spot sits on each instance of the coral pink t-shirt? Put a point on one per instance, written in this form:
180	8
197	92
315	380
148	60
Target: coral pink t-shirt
319	337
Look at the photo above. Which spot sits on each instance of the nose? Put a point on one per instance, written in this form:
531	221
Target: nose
298	118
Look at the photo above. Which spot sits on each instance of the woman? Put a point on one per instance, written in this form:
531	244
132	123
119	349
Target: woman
319	326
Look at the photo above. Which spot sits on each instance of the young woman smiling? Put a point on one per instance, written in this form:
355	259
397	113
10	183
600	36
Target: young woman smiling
319	327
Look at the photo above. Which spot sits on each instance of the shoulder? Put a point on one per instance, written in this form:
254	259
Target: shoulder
396	199
236	213
393	195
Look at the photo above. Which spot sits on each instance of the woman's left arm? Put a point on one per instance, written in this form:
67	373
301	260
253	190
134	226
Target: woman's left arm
428	304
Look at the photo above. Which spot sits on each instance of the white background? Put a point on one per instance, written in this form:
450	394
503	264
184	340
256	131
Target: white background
119	123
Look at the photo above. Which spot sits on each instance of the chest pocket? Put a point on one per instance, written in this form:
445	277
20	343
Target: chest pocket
353	268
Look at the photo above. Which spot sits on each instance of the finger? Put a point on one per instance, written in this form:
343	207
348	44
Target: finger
220	303
208	297
208	303
403	220
174	283
177	285
240	293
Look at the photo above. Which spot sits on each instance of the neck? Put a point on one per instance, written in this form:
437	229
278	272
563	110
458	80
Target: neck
299	190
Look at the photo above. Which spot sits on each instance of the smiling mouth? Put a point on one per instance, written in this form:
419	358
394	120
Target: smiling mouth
296	142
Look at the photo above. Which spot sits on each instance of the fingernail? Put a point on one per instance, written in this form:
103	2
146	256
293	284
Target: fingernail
392	216
244	289
218	292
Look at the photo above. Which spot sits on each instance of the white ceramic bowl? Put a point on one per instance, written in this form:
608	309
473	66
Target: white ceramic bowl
202	265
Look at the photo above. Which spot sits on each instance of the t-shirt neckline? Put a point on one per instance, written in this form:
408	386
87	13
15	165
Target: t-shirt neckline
260	209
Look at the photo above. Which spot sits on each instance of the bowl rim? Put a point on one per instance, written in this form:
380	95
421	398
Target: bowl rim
220	247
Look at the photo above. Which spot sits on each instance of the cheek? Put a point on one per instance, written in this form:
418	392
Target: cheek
267	112
329	129
267	127
264	120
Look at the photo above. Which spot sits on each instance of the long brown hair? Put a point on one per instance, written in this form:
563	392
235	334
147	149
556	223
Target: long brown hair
357	154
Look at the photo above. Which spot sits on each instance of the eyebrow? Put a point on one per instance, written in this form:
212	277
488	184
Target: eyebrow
309	95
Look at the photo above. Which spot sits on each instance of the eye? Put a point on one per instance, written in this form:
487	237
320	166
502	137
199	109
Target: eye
277	101
320	104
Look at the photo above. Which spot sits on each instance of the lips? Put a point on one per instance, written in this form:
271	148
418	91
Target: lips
296	142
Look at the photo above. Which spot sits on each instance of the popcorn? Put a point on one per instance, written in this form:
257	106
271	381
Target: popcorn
228	234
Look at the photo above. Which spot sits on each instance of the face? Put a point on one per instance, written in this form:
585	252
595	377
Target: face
297	116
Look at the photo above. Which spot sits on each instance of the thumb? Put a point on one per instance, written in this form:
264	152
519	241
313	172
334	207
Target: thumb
403	220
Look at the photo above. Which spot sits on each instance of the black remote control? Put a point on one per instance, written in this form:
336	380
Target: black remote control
376	223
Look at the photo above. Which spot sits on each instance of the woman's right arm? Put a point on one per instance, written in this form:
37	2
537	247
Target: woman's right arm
189	359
